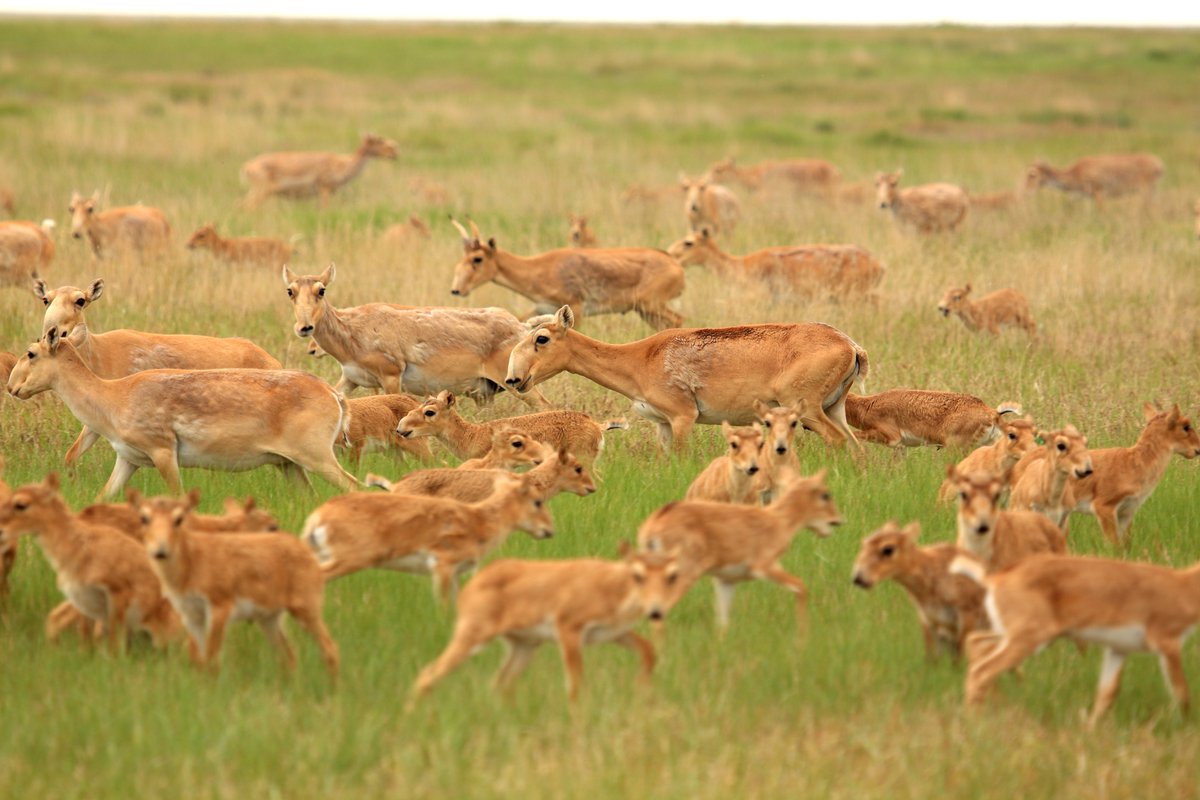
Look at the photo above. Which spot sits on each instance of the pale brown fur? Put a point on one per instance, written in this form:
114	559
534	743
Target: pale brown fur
999	539
929	208
1100	177
404	348
917	417
238	517
1123	478
104	574
677	378
736	543
811	270
729	478
25	248
373	421
511	449
780	463
949	606
128	230
305	174
572	602
580	233
1044	483
242	249
709	205
993	201
406	234
1124	607
181	418
8	546
991	312
591	281
122	352
213	580
1017	437
7	362
434	536
559	472
561	430
800	174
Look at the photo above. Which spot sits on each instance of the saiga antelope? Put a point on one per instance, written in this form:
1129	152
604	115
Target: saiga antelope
800	174
1122	606
214	580
8	548
241	249
998	538
1123	478
373	421
122	352
103	573
305	174
991	312
677	378
139	229
560	472
1100	177
1017	437
433	536
511	449
574	603
929	208
736	543
590	281
1044	483
25	248
568	430
917	417
949	606
169	419
709	205
729	478
780	463
580	234
809	270
395	348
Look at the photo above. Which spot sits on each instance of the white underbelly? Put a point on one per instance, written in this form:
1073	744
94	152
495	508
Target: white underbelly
92	601
732	573
544	631
599	633
908	439
244	609
1122	638
190	456
360	376
647	411
415	563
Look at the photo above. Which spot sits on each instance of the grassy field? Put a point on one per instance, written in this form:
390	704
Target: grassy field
521	125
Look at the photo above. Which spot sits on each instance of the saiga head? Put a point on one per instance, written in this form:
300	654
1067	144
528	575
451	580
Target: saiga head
308	297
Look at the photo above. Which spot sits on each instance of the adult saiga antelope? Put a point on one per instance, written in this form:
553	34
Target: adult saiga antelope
1099	177
298	175
601	280
232	419
115	354
677	378
420	350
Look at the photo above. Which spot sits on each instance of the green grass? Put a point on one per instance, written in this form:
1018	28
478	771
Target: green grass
522	124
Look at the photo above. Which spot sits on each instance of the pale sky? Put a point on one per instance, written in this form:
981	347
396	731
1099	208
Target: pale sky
1150	13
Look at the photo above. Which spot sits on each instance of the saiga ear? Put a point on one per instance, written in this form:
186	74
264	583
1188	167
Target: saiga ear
565	318
912	531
